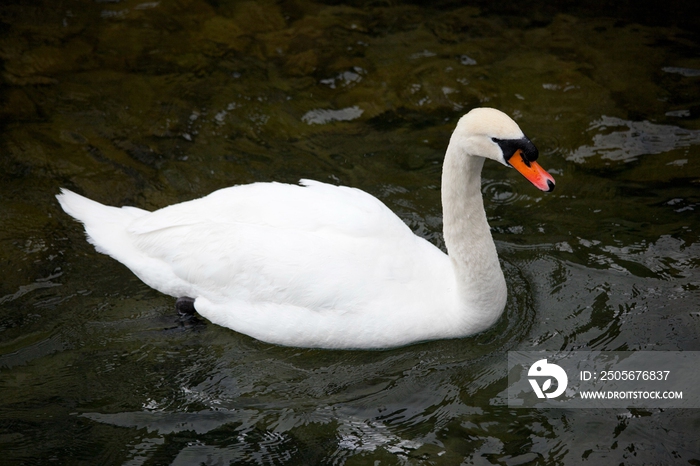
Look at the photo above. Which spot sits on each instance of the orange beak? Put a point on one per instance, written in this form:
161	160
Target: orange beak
532	171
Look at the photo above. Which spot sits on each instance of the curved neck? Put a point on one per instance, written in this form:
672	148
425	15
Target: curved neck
480	282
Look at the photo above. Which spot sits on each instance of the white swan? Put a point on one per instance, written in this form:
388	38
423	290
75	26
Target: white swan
327	266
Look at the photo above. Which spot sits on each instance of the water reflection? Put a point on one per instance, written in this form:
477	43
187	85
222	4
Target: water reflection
624	141
322	116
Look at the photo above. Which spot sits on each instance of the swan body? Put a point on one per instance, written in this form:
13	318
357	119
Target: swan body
318	265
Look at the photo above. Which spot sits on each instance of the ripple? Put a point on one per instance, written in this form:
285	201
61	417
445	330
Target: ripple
548	145
500	192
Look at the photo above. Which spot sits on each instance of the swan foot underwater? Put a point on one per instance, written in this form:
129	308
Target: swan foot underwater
323	266
185	306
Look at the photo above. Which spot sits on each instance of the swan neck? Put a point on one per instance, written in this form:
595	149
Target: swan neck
480	283
464	218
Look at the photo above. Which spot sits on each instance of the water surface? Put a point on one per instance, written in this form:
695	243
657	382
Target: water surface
152	103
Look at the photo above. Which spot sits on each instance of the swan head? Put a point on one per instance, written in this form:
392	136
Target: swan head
490	133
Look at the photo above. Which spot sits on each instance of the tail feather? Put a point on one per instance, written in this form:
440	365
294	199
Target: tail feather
105	225
107	229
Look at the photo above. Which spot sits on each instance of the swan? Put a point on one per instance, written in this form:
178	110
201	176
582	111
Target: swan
323	266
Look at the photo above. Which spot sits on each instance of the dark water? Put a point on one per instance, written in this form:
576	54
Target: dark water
151	103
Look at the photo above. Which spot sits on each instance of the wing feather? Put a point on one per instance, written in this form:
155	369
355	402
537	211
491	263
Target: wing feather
316	246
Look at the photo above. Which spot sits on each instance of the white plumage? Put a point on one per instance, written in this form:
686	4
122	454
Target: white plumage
318	265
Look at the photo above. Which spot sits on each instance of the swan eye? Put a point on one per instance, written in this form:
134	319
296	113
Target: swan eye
511	146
